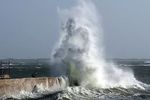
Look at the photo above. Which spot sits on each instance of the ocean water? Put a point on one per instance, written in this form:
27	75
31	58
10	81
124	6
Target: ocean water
140	68
141	72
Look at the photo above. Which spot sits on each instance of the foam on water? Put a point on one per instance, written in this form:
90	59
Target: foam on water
81	45
82	93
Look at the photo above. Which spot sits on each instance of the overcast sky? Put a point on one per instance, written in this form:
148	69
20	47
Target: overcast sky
29	28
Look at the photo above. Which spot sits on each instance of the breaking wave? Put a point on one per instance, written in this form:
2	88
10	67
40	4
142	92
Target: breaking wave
81	50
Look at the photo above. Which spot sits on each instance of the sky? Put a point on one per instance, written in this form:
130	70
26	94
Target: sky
30	28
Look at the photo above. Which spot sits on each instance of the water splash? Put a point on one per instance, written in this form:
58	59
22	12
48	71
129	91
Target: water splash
80	47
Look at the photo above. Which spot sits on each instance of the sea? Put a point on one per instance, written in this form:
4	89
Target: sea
40	68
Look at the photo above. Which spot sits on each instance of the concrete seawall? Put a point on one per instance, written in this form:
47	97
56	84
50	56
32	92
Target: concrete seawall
15	88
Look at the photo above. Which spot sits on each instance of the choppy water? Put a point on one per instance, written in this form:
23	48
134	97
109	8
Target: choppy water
81	93
141	72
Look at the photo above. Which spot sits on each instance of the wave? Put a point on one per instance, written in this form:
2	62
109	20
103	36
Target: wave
81	51
118	93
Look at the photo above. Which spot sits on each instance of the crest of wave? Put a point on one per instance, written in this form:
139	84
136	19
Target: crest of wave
81	44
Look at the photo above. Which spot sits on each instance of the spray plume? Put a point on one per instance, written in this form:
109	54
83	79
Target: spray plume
80	45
